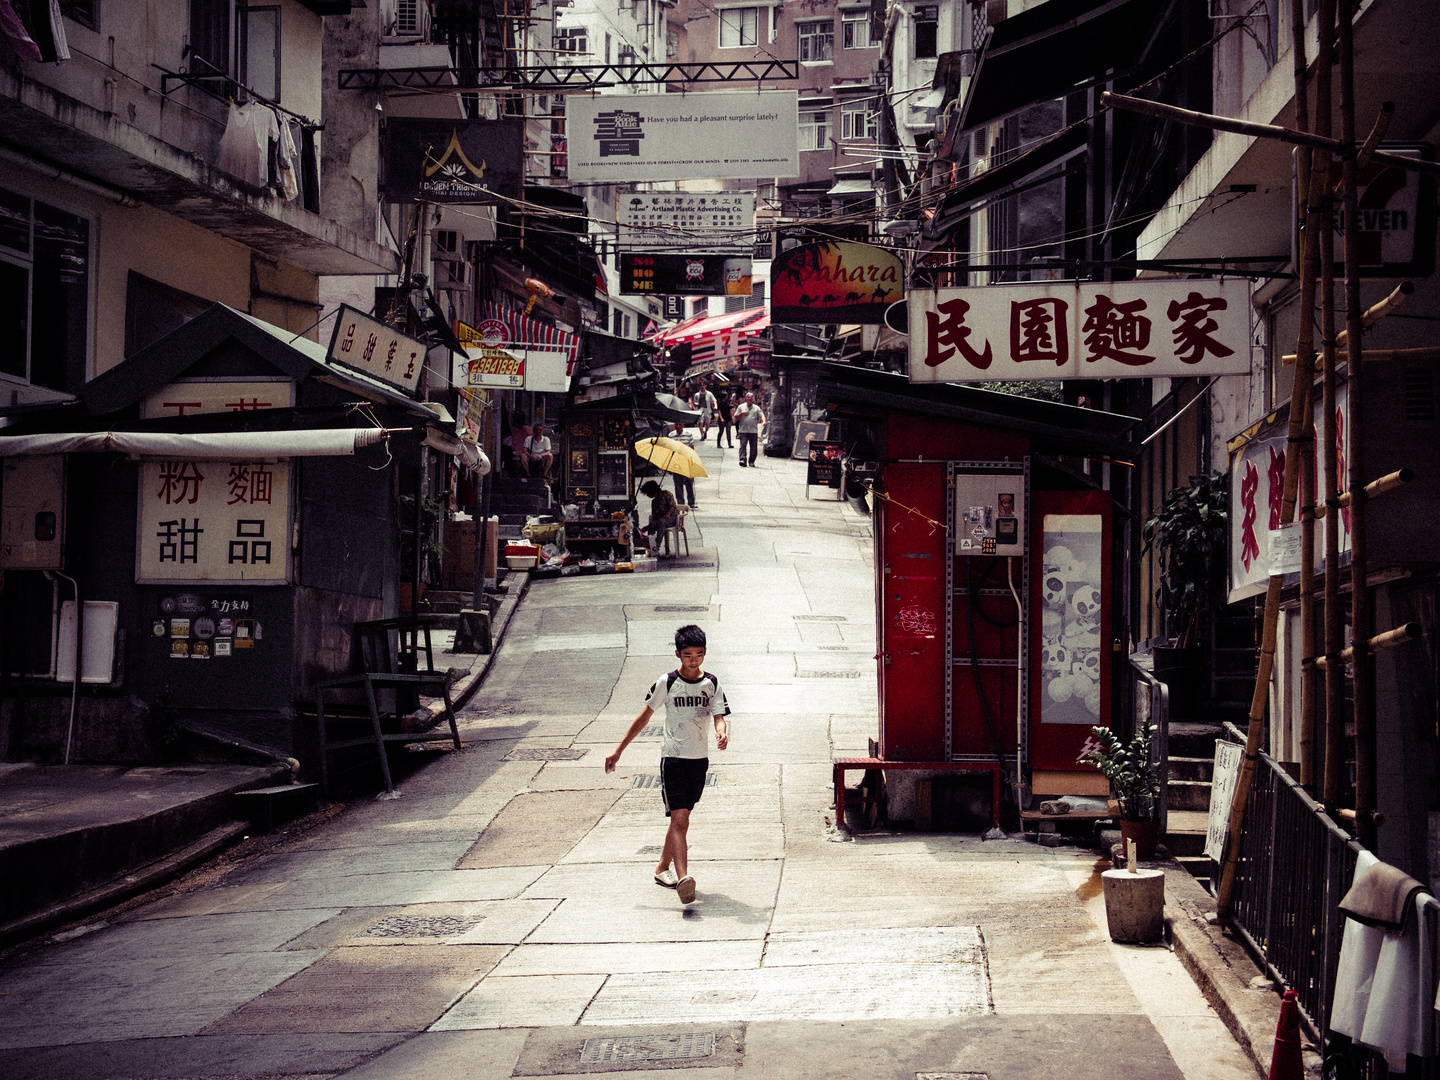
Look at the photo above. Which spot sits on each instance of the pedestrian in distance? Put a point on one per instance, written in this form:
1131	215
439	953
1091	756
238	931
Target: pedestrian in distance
725	407
691	699
748	419
707	404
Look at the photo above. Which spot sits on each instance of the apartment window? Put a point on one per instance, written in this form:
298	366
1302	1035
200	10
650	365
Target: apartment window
84	12
672	42
817	40
618	325
855	29
260	50
626	55
927	31
739	27
44	293
571	40
859	120
815	125
607	48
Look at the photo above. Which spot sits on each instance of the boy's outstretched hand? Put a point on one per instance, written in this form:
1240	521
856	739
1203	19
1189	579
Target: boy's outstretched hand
611	760
722	735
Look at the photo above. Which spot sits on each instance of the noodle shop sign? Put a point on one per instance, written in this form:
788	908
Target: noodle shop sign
835	282
1086	330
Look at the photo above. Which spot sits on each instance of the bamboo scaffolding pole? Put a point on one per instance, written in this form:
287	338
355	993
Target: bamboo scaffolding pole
1370	318
1388	640
1301	419
1388	482
1372	141
1427	352
1258	131
1361	614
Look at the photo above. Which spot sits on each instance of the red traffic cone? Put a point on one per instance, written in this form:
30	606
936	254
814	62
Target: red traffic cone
1285	1061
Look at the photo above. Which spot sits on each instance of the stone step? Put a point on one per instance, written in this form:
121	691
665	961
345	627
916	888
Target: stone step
1198	866
1191	768
1187	832
1189	794
1193	739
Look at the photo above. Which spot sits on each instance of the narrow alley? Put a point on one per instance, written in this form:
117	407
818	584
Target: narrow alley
499	919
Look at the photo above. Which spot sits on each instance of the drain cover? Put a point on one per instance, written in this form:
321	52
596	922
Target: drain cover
671	1047
650	849
819	618
682	607
952	1076
827	674
653	781
544	753
833	648
421	926
652	731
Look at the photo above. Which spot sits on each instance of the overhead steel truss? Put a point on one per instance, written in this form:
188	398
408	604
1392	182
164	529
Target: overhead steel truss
550	77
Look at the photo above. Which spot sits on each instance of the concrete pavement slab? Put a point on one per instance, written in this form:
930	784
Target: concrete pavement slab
206	935
645	1050
539	827
221	901
723	839
417	855
448	1055
522	1001
486	922
388	890
617	958
919	945
366	989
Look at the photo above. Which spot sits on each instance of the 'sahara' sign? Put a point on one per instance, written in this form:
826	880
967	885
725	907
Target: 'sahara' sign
835	282
1090	330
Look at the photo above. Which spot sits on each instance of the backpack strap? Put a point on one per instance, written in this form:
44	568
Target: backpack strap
670	679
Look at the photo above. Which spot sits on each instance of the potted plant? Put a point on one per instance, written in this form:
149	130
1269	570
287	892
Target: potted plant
1134	781
1190	534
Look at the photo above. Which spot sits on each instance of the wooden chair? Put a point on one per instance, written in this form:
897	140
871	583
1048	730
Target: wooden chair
390	654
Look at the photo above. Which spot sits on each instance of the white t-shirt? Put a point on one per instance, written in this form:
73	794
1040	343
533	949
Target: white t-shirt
537	446
689	708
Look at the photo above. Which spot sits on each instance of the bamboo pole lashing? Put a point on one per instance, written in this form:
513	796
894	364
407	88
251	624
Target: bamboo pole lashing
1388	482
1388	640
1372	141
1372	315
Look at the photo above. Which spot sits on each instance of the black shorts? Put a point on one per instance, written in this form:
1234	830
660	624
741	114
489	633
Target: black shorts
682	781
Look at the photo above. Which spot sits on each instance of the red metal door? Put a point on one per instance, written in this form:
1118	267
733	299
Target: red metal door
1070	625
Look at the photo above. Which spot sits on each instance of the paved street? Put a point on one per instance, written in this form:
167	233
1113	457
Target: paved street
499	919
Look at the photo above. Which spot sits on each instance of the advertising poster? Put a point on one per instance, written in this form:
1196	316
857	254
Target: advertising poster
677	220
835	282
1070	627
453	161
1088	330
629	138
684	275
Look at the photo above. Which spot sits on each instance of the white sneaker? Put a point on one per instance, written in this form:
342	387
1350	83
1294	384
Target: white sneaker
666	878
685	888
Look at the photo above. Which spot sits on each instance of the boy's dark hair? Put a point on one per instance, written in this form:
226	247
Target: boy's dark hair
651	488
689	637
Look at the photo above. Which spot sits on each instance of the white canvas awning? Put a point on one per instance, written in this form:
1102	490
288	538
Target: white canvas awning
214	446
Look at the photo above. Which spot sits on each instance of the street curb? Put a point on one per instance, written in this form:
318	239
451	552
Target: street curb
1222	968
465	686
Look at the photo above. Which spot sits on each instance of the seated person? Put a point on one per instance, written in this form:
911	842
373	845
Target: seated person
537	450
519	435
662	511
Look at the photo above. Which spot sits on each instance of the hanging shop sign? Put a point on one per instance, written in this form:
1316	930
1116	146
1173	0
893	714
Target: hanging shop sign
191	398
786	237
1259	544
453	161
1087	330
213	521
1396	218
835	283
376	349
498	368
684	275
677	220
628	138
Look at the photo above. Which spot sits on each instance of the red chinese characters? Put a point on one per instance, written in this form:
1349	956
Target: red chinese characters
250	484
1117	332
945	336
1249	542
1039	330
1193	327
1276	491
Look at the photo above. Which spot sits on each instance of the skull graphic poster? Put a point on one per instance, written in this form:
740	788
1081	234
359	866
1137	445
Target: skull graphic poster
1070	630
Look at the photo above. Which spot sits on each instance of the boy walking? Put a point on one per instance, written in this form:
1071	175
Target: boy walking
691	698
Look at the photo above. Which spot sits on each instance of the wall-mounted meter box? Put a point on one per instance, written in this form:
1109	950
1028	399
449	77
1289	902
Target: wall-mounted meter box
990	511
32	512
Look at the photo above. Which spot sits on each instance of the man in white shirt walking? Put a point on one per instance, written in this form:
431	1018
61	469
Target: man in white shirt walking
748	419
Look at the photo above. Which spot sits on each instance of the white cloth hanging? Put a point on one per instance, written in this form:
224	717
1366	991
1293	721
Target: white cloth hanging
245	145
287	160
1382	998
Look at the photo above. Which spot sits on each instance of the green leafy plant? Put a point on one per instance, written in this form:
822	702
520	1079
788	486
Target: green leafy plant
1191	533
432	550
1134	778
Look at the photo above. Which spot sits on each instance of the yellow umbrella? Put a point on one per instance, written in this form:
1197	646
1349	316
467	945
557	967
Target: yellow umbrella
671	456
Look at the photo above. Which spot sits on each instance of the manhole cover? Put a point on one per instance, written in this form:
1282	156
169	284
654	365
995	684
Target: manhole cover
653	781
652	731
827	675
682	607
833	648
544	753
952	1076
421	926
819	618
650	849
671	1047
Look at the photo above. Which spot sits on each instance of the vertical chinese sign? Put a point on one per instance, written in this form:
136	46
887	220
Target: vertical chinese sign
201	521
1089	330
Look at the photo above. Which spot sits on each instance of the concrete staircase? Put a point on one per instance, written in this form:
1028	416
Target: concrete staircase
1192	756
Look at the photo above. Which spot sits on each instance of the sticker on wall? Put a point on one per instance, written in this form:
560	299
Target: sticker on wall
179	650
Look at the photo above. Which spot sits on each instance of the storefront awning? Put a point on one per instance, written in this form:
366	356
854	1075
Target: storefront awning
213	446
852	187
1046	52
745	321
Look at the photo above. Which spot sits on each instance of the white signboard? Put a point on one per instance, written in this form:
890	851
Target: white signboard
213	521
628	138
545	369
1089	330
1228	756
490	367
1257	496
378	350
684	221
189	397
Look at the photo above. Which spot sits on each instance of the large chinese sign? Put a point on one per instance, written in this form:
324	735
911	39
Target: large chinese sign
190	398
453	161
213	521
677	220
835	282
629	138
377	349
1257	496
1089	330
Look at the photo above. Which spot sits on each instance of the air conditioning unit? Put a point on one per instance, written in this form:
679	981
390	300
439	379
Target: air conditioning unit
409	18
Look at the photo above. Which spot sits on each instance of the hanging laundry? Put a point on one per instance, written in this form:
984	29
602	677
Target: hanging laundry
13	29
245	146
286	158
47	27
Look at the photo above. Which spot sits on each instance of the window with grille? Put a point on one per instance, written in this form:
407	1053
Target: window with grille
1419	395
571	40
626	55
855	29
739	27
84	12
817	40
756	299
44	293
815	127
927	31
858	120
